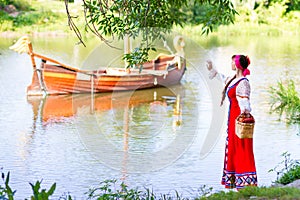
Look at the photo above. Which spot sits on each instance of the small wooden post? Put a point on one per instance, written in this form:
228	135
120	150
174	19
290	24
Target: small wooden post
31	55
92	93
35	88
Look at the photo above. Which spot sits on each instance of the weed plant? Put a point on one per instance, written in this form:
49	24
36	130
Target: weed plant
288	170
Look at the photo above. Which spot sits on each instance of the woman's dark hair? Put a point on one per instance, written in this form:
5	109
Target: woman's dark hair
225	89
244	62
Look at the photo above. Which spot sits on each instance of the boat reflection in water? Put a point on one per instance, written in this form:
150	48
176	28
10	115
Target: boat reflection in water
132	131
59	108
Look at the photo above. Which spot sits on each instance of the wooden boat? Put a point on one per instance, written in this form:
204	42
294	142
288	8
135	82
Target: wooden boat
53	77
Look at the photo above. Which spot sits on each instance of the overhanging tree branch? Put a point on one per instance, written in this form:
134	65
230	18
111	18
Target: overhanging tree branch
149	18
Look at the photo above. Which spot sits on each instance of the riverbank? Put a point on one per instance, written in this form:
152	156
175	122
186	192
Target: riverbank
49	18
37	19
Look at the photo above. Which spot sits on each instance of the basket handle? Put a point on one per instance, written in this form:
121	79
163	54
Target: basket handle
245	115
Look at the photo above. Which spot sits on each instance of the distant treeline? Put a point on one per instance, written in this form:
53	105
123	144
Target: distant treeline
16	14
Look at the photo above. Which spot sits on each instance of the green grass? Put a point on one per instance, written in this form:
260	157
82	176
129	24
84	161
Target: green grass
256	193
286	100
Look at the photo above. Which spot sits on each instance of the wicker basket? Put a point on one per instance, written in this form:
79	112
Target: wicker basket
244	129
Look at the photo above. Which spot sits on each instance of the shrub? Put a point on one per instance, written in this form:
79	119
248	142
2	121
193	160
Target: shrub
287	170
19	4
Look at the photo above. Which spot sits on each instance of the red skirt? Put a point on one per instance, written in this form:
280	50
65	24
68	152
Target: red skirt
239	164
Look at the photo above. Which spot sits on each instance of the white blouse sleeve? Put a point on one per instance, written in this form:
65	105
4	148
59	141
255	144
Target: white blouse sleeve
221	77
243	96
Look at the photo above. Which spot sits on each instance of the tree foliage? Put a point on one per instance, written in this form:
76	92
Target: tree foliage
121	17
290	4
150	19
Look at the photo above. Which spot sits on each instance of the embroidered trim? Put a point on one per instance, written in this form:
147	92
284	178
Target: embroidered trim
234	180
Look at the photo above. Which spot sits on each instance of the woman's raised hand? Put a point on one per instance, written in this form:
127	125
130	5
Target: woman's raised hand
209	65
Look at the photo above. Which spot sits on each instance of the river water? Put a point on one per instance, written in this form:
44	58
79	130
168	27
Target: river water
165	139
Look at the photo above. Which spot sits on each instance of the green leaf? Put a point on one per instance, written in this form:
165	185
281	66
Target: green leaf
52	189
7	178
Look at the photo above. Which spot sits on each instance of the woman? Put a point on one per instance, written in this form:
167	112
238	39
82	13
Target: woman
239	165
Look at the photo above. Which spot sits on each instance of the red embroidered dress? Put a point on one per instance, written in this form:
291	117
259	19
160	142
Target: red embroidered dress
239	165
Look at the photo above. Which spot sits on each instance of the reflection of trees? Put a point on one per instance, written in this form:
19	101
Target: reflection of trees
140	115
148	124
142	118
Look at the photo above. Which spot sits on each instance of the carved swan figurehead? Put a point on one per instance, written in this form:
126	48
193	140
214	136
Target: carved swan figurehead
179	44
22	45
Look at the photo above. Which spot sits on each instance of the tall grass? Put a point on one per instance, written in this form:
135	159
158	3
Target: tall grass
285	100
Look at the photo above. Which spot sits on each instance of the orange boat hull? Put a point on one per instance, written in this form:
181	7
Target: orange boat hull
56	79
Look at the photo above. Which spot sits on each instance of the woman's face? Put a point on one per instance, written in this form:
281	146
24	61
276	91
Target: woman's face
233	67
